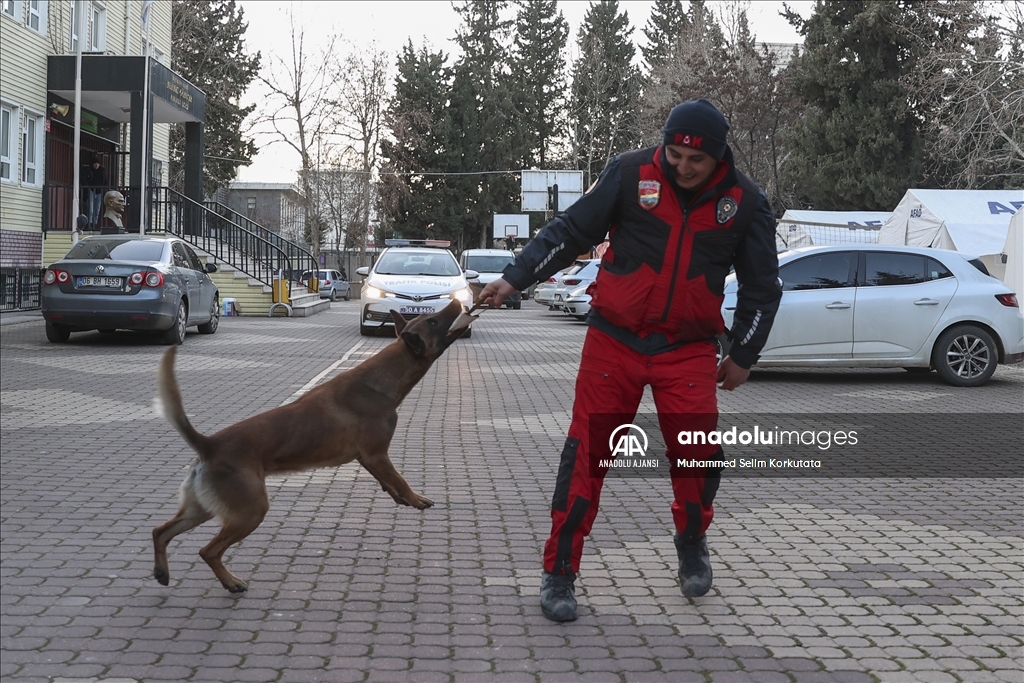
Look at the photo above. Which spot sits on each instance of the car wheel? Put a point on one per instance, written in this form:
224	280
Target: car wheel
965	356
176	334
516	305
348	295
211	326
721	347
581	318
467	334
334	295
57	334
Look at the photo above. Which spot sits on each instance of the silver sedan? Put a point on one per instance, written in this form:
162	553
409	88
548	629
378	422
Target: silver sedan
112	282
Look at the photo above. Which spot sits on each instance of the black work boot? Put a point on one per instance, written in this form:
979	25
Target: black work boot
694	566
558	597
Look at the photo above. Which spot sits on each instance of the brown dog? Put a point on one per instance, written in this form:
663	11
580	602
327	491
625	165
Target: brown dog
351	417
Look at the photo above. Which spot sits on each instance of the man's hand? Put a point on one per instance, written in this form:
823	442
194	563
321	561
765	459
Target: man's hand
731	375
496	292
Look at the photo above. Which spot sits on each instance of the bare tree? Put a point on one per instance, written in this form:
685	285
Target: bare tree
745	83
299	112
360	104
970	88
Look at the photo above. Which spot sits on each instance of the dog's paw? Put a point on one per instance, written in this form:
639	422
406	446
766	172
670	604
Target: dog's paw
421	503
161	576
238	586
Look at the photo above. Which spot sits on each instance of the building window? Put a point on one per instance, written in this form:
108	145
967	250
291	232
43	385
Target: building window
250	206
32	144
7	141
37	15
74	27
99	28
10	8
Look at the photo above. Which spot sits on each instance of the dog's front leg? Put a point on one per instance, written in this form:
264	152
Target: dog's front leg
384	471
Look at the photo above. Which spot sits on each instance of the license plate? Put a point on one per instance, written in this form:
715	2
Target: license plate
99	282
416	309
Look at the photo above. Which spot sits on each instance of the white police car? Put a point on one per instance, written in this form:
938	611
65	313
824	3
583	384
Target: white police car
412	277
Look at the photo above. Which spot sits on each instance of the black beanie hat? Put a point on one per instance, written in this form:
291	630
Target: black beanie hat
697	124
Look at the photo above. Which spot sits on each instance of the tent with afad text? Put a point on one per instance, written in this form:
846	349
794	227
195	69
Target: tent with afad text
973	222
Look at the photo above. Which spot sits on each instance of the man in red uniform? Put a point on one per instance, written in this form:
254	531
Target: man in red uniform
678	217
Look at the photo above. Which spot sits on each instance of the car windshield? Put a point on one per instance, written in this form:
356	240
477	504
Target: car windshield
488	264
417	263
117	248
589	270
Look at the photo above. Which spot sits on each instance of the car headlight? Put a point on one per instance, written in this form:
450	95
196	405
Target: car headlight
463	295
374	293
579	291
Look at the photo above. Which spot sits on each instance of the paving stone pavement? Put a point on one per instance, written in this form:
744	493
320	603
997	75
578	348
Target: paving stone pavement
874	579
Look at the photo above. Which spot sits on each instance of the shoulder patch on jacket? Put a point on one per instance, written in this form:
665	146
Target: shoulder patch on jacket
727	208
649	192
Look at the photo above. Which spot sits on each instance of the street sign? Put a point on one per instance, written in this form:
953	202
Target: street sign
538	186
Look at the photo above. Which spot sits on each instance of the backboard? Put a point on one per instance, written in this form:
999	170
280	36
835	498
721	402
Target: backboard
535	186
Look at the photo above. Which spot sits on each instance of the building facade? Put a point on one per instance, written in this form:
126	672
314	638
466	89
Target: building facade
275	206
36	129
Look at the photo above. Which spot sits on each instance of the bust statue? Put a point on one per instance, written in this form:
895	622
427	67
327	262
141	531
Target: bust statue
113	201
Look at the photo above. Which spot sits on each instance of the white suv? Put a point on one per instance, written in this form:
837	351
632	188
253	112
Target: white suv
411	277
489	264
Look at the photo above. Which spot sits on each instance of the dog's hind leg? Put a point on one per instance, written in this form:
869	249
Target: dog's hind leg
190	515
391	481
245	506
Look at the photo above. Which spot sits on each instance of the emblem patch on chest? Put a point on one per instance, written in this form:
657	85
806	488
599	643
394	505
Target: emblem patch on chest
727	208
649	193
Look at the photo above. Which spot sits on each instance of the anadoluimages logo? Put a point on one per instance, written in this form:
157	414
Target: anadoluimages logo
628	444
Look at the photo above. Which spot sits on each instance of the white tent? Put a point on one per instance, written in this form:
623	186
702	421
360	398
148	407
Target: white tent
1013	252
970	221
803	228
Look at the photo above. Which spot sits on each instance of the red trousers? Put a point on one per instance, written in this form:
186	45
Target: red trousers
611	380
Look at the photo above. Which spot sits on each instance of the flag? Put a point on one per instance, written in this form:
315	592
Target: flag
144	18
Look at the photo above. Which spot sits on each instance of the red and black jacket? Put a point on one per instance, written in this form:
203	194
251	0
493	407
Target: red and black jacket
661	279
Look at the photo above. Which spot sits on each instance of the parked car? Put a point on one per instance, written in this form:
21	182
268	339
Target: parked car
112	282
577	303
576	283
544	294
489	264
890	306
333	284
412	277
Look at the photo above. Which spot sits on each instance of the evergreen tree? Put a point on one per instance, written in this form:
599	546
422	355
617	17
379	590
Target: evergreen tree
485	127
538	73
420	131
664	28
858	145
209	52
605	96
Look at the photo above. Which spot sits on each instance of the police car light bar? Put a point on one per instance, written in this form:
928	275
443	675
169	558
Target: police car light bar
417	243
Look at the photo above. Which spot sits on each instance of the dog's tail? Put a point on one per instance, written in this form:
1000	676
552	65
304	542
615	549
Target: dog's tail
168	403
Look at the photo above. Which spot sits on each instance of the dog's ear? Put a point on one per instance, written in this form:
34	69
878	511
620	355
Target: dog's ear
415	343
400	322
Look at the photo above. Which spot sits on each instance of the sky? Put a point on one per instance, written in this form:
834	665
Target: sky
390	25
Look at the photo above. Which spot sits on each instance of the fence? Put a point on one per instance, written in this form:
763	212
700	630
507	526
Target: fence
792	234
19	289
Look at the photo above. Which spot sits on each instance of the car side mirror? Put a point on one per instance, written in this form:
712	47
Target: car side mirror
471	274
211	267
364	271
82	222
